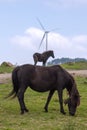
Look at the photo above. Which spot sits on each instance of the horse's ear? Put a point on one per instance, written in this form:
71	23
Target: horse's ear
77	97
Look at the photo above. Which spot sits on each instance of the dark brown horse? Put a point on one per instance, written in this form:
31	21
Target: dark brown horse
42	79
42	57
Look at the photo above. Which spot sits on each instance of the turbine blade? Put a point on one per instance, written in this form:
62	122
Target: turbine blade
40	24
42	40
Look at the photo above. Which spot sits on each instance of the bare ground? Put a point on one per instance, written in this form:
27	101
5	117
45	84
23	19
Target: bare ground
78	72
6	77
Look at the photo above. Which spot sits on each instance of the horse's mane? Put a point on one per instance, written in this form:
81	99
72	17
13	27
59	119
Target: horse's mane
47	52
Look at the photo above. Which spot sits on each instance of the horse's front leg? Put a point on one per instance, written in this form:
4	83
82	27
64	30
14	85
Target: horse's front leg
48	100
20	96
60	94
44	63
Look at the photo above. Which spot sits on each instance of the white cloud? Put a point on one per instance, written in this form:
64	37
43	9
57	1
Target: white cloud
62	46
30	39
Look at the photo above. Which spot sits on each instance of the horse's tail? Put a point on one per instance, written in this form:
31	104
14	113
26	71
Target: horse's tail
15	82
35	57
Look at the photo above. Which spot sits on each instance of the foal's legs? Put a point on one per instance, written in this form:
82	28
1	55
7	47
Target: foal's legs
48	99
20	96
43	64
60	94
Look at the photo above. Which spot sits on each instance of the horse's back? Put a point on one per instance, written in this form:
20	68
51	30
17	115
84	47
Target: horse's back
28	70
41	78
32	68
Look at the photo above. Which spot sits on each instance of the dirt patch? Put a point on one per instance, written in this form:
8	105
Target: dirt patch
5	78
78	72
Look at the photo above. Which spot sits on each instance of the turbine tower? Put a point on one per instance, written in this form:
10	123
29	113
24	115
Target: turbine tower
45	35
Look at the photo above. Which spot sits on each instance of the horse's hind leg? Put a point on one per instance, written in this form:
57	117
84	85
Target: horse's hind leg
35	59
48	99
20	96
35	63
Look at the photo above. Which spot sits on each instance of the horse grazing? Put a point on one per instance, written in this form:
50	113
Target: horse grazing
42	57
42	79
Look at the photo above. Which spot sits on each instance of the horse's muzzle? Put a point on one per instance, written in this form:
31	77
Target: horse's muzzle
71	113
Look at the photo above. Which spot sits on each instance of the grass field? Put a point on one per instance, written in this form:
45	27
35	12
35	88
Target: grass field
5	69
37	119
82	65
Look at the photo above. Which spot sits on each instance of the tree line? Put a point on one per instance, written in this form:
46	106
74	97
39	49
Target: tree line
65	60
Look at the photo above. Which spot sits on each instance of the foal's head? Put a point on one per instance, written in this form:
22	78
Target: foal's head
52	54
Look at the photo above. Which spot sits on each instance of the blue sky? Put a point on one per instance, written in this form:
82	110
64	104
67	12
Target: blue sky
21	33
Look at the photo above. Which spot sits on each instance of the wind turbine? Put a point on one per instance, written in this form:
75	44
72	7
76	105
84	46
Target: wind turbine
45	35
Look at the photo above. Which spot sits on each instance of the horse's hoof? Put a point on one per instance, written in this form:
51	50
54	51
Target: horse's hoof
63	112
46	110
26	110
22	112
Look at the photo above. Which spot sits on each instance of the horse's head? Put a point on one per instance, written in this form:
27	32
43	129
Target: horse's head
52	54
73	102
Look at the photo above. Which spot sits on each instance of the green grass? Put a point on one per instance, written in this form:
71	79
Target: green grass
5	69
82	65
37	119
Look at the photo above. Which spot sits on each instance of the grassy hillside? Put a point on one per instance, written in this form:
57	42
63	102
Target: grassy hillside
5	69
37	119
82	65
